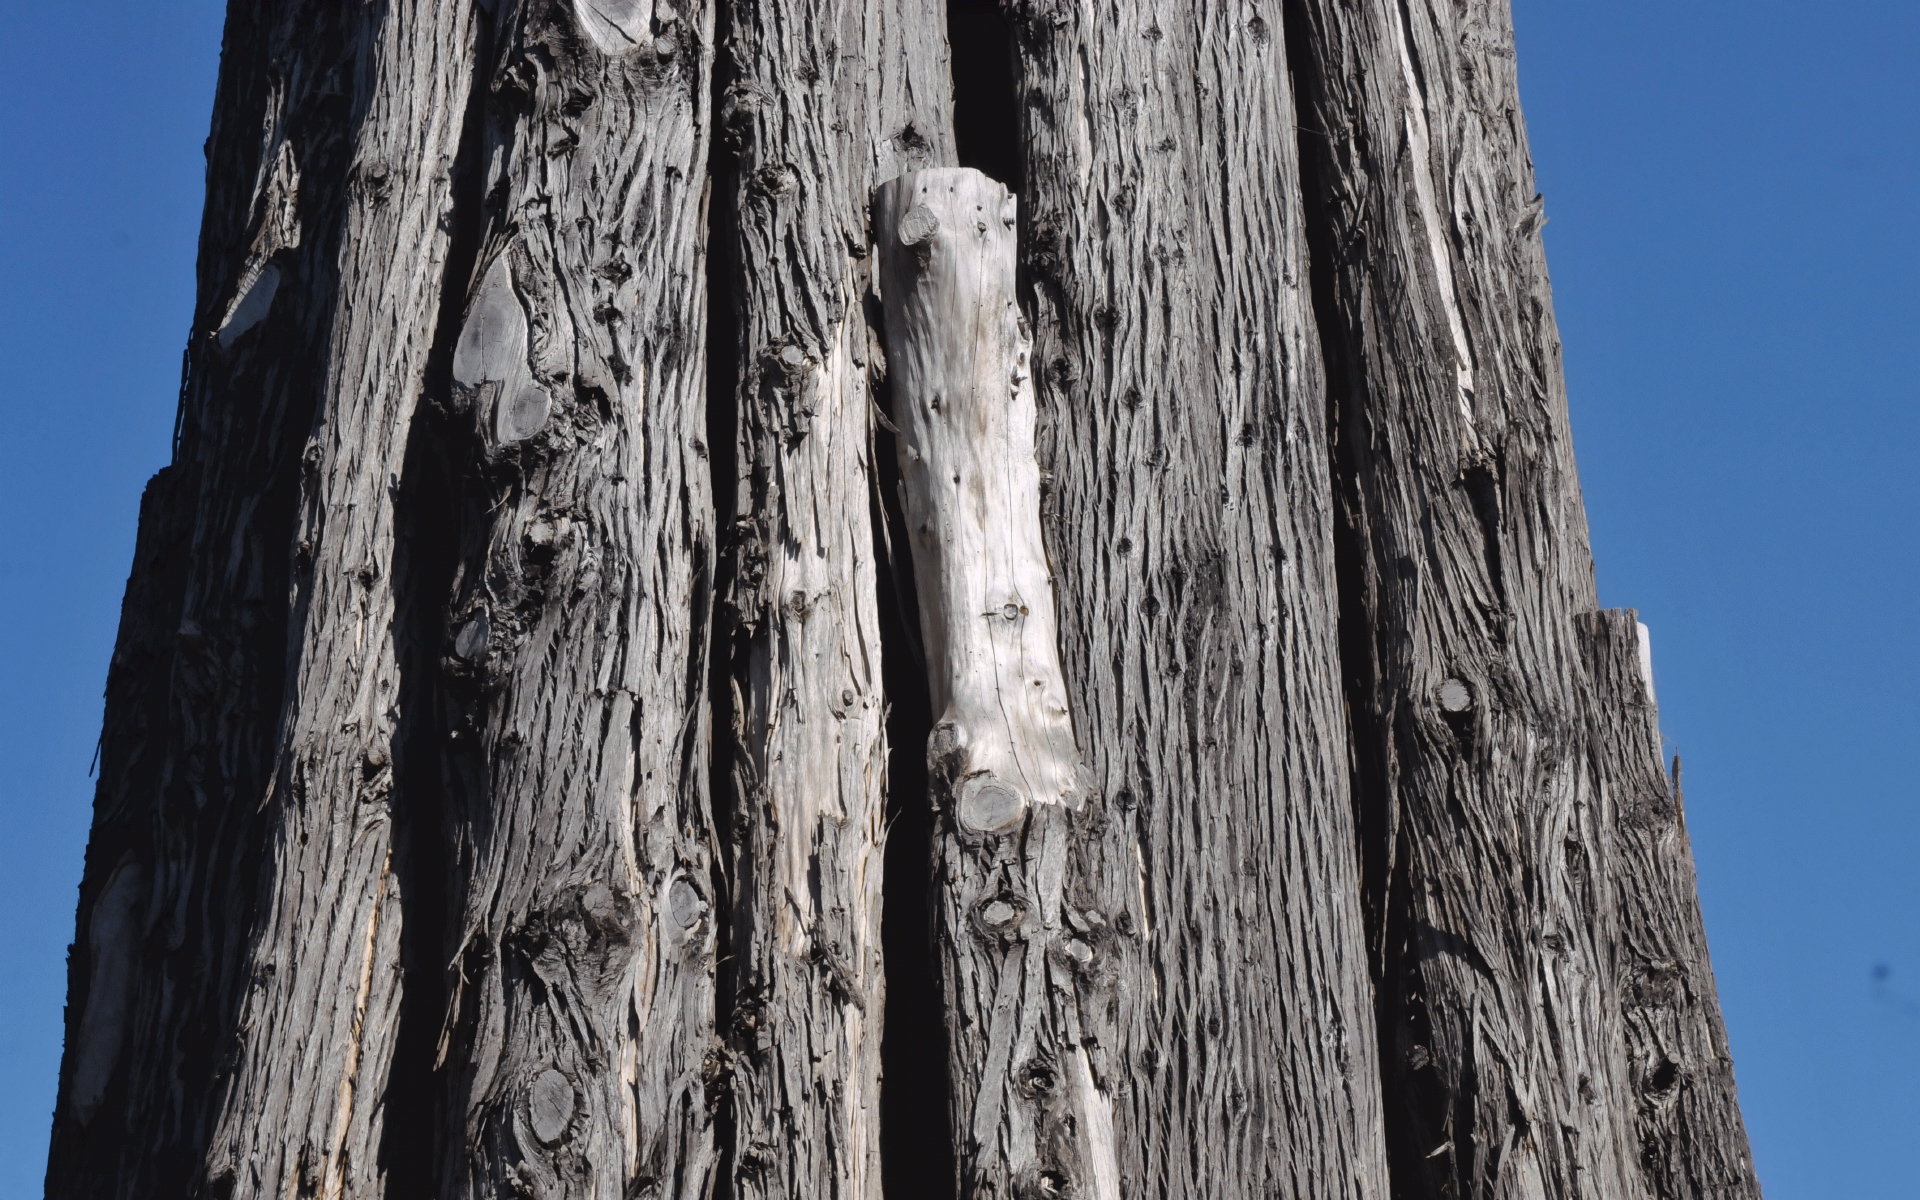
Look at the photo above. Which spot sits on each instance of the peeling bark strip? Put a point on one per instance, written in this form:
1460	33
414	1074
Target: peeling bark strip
1686	1114
1183	425
817	106
1029	1116
581	1011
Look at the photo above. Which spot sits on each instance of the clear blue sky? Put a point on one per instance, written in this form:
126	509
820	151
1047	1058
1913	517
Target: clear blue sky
1731	187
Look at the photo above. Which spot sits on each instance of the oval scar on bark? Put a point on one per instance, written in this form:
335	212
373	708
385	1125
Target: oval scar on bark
990	806
472	640
617	27
490	360
550	1107
1456	696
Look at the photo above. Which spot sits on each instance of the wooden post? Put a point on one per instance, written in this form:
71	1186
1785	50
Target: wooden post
1028	1115
1692	1142
803	748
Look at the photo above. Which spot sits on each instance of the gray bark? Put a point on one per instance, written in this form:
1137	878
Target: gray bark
581	1005
1189	524
476	819
250	707
815	109
1489	840
1692	1141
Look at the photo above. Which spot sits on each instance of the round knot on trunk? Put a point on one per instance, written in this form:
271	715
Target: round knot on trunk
988	805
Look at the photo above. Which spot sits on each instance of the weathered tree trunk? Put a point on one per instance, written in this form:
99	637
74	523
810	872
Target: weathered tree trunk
815	108
245	1034
1488	842
512	693
581	1000
1691	1140
1190	526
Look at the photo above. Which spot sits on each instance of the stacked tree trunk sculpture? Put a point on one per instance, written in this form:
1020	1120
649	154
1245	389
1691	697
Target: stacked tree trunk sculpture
695	644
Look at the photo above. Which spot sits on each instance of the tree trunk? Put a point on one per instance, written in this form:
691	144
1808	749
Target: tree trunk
1190	528
581	1004
1686	1118
511	773
1488	843
813	113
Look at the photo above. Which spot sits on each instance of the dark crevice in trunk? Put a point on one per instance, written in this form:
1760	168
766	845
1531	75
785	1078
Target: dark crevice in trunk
986	104
1482	482
1380	851
423	577
416	1125
916	1143
729	637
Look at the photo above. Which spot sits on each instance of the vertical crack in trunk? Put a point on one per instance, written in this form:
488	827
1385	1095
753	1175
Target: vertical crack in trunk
916	1140
727	648
1376	816
986	104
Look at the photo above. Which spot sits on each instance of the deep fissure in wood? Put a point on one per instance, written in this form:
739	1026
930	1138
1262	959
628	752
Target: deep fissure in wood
426	520
728	638
986	104
916	1140
1377	828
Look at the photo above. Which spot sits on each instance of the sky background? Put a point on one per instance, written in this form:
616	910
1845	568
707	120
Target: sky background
1731	187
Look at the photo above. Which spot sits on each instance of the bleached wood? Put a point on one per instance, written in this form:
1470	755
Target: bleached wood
1028	1114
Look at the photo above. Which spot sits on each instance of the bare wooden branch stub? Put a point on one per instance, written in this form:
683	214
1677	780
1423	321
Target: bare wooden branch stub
1028	1111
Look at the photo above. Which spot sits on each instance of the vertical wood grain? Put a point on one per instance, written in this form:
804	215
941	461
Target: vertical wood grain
816	106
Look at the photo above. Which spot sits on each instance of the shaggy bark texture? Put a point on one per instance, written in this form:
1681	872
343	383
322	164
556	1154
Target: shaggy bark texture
1190	527
581	1001
815	107
245	816
518	677
1691	1139
1488	834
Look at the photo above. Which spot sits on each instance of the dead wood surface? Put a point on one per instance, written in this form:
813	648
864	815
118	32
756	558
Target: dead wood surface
815	108
1188	521
1016	950
248	816
1487	836
495	780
